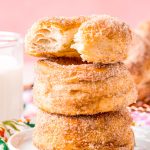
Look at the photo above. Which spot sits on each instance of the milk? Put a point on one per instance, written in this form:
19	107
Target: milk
10	88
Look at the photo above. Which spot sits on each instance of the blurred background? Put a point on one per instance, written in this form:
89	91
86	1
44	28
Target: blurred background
19	15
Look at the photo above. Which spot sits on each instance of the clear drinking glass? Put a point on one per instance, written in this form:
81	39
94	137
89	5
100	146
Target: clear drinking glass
11	66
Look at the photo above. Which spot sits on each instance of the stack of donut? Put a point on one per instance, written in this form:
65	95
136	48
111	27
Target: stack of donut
138	61
82	88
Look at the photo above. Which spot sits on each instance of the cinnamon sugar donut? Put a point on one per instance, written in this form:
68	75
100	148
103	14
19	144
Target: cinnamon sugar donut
103	39
107	131
97	38
71	87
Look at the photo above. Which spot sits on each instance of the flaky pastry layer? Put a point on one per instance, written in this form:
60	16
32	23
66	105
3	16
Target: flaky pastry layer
52	37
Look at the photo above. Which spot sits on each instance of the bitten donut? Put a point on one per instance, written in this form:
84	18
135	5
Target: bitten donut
71	87
102	39
107	131
97	38
52	37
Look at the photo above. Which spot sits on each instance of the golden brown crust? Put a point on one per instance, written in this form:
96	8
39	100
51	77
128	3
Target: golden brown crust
48	37
71	87
103	39
101	131
64	23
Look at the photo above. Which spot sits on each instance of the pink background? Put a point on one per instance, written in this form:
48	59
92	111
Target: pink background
19	15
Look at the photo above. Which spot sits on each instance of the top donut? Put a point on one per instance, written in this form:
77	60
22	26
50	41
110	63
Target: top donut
98	39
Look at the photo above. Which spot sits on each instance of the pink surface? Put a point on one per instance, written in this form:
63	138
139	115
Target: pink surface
18	15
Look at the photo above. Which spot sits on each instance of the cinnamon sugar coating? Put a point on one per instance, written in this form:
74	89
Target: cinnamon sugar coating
106	131
71	87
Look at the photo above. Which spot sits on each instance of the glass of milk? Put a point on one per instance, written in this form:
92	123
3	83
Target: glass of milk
11	66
